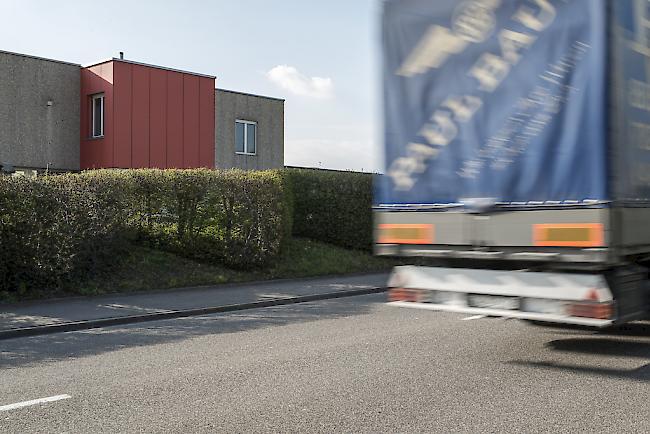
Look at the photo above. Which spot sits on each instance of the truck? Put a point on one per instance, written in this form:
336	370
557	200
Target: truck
517	152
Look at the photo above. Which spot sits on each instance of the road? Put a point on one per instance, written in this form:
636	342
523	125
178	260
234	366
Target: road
351	365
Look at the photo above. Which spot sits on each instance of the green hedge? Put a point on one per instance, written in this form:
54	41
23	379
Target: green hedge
58	227
54	228
233	217
333	207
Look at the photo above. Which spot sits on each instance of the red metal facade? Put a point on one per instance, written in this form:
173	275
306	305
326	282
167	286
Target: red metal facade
154	117
97	152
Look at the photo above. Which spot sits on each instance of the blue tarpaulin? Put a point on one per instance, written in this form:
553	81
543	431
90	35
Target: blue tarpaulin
494	100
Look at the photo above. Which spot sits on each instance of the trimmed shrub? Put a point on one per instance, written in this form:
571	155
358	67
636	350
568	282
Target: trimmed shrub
54	228
333	207
234	217
57	228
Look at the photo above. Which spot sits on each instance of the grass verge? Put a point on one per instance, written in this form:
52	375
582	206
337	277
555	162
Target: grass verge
146	269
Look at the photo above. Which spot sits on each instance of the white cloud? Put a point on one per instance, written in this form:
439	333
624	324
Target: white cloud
292	80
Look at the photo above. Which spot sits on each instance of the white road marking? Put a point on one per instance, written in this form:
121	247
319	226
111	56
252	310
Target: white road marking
472	318
136	308
34	402
274	296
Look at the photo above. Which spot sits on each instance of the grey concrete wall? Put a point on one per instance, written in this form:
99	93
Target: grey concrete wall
269	115
34	134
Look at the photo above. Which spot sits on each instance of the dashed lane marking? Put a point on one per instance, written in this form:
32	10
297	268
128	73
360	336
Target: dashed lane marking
18	405
472	318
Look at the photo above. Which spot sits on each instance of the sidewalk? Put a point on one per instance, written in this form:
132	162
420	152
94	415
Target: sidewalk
34	318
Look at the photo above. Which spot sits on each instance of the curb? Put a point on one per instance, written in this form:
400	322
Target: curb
175	314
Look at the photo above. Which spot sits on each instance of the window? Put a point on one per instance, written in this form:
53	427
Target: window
98	115
246	137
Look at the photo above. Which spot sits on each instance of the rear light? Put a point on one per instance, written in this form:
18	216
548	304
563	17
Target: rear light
591	310
427	296
569	235
402	294
406	234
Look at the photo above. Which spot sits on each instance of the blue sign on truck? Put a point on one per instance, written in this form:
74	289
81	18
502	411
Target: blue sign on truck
505	100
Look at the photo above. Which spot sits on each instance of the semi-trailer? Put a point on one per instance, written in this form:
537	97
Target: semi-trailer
517	149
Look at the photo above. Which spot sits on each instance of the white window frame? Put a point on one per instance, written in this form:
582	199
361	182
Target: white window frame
99	96
246	123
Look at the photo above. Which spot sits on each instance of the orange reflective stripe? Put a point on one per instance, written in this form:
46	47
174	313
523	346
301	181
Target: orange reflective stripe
406	234
569	235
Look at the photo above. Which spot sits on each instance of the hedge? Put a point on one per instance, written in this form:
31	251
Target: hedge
54	228
233	217
60	227
57	227
333	207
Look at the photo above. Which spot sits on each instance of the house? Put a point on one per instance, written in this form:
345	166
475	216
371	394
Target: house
119	113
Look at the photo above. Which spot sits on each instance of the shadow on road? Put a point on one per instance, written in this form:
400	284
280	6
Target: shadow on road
44	349
639	374
603	347
623	343
638	329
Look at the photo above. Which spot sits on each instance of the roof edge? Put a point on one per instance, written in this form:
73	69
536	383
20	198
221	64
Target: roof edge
45	59
149	65
251	94
322	169
101	62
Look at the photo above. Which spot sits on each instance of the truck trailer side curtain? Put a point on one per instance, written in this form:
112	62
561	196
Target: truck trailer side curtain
472	86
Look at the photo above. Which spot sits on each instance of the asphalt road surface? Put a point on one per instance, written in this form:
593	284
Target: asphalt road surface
350	365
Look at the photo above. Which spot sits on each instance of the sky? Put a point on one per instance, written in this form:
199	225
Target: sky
321	56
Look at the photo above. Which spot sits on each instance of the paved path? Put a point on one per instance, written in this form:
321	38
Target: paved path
124	305
347	365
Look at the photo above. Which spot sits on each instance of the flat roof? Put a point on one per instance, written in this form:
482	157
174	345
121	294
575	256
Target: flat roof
250	94
115	59
39	58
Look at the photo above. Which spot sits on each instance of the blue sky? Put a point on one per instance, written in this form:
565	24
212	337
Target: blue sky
322	56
